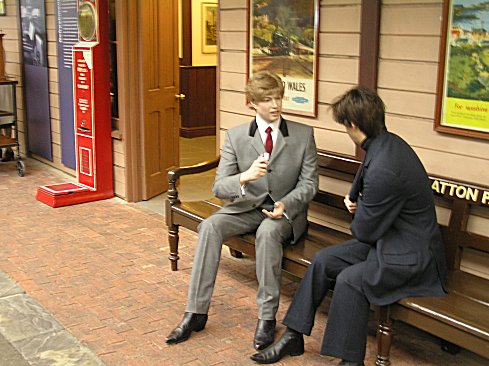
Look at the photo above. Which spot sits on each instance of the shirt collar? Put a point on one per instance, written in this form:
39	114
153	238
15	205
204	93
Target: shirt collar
263	125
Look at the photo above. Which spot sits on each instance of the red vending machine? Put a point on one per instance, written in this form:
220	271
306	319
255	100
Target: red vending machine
92	119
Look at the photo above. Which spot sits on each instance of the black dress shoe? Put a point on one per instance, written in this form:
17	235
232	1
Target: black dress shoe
350	363
264	334
190	323
290	344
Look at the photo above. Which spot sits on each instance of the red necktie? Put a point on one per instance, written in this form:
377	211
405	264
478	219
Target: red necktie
269	141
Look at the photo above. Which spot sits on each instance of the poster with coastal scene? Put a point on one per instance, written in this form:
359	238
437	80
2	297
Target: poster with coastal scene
283	39
465	95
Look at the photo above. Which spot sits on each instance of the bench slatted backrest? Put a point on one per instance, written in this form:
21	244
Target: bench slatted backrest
462	199
338	167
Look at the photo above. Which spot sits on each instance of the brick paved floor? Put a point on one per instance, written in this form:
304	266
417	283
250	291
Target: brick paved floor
101	270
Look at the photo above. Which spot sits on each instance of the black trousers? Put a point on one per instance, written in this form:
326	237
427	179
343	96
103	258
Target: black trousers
341	266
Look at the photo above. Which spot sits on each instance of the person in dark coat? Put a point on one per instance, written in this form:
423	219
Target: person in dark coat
396	250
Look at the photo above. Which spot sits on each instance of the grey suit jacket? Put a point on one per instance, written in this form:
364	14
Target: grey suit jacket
292	175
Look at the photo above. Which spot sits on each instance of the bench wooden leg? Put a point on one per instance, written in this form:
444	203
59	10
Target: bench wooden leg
235	253
173	241
384	336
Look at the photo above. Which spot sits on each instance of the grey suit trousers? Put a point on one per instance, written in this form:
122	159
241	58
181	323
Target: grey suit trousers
271	234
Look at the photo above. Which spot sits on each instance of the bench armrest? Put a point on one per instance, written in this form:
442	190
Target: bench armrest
176	172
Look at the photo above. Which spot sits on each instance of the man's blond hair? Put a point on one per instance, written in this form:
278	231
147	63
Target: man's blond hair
264	83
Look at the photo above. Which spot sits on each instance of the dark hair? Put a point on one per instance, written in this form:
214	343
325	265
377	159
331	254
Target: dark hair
264	83
362	107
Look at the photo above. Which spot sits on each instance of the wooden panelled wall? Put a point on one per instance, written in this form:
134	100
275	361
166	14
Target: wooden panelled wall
407	80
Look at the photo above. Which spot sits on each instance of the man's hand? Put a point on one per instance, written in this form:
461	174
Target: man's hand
351	206
257	169
278	211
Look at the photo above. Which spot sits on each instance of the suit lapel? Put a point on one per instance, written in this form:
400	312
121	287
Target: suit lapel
255	138
281	140
258	145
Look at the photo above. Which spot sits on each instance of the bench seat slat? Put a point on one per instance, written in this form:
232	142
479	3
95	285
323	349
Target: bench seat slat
200	208
317	237
445	330
453	310
461	308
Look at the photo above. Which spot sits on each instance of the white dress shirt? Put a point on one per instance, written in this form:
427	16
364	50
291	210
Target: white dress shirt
262	126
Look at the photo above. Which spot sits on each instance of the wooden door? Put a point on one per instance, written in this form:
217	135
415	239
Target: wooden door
159	77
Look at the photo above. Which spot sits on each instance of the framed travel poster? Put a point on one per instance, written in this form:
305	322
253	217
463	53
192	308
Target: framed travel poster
283	38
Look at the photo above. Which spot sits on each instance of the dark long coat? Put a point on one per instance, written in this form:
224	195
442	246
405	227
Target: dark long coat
396	216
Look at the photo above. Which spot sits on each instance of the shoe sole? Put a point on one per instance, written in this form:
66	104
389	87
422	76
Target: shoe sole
292	354
200	328
300	353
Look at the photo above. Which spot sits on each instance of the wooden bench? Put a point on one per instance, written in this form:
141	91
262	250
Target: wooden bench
296	258
458	319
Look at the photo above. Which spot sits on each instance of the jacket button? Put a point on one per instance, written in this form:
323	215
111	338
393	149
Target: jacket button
270	192
269	170
253	205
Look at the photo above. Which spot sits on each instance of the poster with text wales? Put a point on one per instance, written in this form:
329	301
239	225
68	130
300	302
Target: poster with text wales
283	39
465	102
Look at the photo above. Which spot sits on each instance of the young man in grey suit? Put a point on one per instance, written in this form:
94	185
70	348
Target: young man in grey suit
268	173
397	249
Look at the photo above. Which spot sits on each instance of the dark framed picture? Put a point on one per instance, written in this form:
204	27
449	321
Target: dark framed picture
209	28
33	25
463	79
283	38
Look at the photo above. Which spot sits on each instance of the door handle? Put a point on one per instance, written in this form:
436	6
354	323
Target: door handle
180	96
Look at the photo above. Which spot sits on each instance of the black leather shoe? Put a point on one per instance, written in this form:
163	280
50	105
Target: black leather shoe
350	363
190	323
290	344
264	334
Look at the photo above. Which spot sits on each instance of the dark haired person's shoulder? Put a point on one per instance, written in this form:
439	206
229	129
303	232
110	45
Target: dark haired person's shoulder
399	140
395	150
